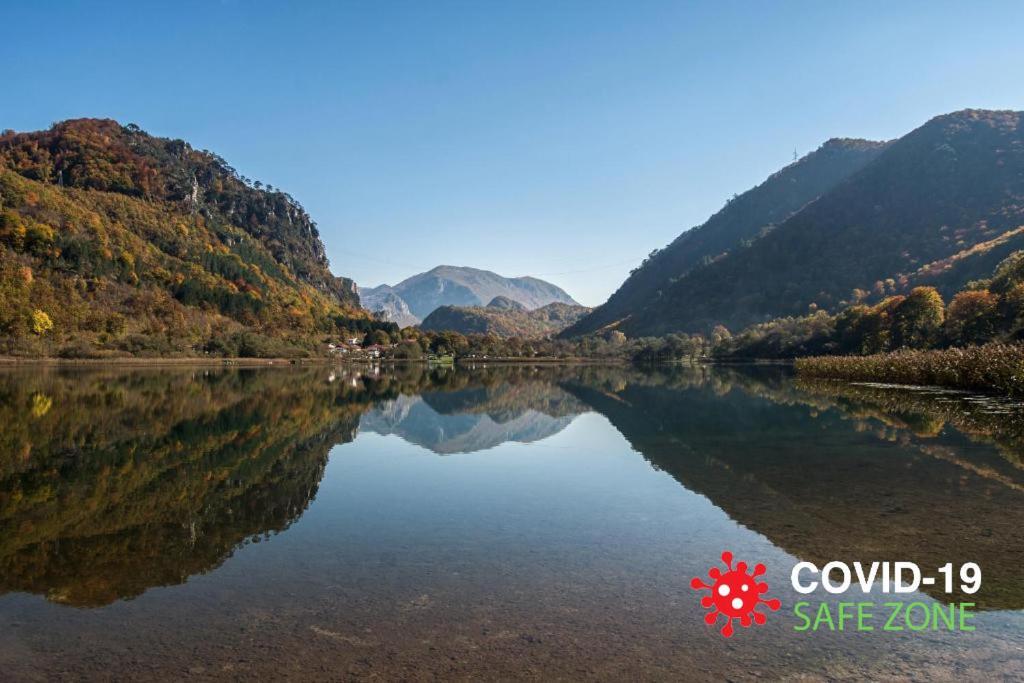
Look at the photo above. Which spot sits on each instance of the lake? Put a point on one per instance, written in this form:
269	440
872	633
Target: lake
493	522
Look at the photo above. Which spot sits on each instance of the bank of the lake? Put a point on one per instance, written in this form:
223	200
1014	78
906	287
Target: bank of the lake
142	361
995	367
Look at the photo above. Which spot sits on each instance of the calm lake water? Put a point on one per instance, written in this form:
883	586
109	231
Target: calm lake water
502	522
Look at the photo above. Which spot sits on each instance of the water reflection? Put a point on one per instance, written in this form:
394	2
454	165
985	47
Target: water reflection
115	482
832	471
111	483
478	418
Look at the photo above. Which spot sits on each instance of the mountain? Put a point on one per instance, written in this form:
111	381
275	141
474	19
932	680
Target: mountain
742	220
385	303
504	318
117	240
944	192
503	303
460	286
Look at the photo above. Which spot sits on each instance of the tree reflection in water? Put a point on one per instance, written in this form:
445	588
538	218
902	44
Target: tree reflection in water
112	482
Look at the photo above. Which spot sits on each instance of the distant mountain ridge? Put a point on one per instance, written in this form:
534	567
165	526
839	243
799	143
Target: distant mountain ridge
456	286
503	317
938	205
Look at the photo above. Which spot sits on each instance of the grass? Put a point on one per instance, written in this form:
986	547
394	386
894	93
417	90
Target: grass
993	367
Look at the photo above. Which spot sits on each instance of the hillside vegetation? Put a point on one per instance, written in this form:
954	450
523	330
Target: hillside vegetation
993	367
936	207
744	218
989	310
114	241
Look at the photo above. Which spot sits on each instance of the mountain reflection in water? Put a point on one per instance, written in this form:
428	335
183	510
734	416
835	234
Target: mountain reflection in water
475	419
115	482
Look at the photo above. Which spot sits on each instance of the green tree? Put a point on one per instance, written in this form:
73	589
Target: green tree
917	320
877	325
377	337
1012	307
972	317
408	350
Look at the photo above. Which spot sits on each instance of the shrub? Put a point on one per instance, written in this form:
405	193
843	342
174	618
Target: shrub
993	367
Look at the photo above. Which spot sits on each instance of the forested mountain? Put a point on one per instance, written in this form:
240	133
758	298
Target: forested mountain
115	240
458	286
503	317
941	205
745	218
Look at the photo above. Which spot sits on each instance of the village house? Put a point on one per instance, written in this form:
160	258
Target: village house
374	351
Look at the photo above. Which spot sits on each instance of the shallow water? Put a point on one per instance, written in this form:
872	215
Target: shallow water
503	522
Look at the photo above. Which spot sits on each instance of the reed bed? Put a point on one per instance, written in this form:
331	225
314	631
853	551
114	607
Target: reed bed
995	367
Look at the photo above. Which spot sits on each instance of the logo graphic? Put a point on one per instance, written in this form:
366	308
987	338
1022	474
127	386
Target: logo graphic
734	594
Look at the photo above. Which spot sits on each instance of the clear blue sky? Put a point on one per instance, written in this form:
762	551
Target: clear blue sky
558	139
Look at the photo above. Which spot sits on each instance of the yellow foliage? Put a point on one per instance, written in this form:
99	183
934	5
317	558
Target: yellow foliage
41	323
41	233
151	247
41	404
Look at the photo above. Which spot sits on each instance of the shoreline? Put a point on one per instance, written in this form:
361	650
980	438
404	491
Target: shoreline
994	368
11	362
540	360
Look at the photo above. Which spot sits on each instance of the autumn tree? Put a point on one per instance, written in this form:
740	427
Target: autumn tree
720	334
41	322
972	317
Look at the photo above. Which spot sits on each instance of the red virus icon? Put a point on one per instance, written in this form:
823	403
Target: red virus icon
734	594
